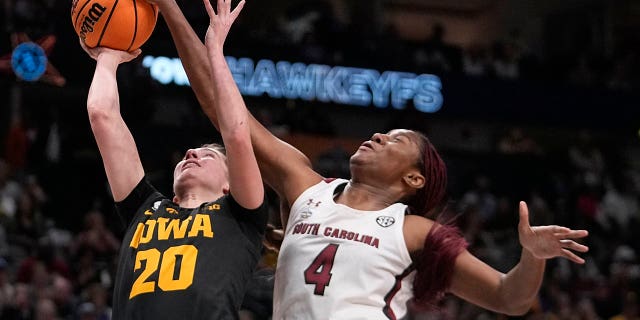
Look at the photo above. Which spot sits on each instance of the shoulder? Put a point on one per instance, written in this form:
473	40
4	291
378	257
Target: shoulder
331	182
323	187
416	228
142	194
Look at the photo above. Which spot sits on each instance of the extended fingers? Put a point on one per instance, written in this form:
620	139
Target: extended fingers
209	8
92	52
572	256
524	215
84	46
570	244
562	232
224	6
237	9
136	53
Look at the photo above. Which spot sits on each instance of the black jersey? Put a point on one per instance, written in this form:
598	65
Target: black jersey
178	263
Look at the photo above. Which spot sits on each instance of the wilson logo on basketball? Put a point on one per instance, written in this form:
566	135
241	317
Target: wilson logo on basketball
120	25
90	19
385	221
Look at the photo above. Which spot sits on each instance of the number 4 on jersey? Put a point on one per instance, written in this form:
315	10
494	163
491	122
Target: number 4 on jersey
319	272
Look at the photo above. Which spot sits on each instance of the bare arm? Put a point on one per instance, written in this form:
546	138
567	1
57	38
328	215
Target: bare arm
283	167
115	142
245	181
514	292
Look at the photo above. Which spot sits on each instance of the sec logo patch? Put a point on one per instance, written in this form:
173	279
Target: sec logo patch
385	221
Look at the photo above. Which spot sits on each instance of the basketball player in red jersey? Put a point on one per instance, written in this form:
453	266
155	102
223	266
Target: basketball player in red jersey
363	248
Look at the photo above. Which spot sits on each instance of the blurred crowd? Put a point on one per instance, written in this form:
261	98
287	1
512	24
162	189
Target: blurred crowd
53	272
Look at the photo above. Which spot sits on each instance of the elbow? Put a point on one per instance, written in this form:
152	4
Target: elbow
98	115
517	309
517	312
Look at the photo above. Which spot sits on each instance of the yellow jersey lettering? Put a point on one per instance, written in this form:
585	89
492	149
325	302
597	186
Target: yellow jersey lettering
202	222
176	227
136	236
214	206
151	226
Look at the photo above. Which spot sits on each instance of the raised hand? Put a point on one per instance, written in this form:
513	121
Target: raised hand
546	242
121	56
220	23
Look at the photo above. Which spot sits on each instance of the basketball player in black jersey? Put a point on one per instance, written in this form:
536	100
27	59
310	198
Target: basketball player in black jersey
190	256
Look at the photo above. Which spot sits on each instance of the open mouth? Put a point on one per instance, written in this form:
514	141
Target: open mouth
189	164
367	144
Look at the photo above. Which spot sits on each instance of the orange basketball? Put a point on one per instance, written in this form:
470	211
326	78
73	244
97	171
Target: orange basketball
117	24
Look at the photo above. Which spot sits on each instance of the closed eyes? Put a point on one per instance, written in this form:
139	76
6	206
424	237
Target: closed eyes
400	138
212	155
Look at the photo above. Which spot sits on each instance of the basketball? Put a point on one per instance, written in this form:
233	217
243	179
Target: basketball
116	24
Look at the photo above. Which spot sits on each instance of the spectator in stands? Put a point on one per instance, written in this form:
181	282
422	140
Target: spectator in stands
95	236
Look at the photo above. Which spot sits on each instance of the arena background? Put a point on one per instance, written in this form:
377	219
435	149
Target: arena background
540	103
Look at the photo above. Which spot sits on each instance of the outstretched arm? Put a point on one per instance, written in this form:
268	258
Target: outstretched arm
115	142
278	161
245	181
514	292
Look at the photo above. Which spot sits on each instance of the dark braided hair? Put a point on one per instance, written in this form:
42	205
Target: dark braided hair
429	200
443	244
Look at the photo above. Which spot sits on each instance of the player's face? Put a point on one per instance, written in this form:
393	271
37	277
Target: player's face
388	155
205	166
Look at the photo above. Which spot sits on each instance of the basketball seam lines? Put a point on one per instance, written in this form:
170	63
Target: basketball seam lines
135	25
107	23
80	11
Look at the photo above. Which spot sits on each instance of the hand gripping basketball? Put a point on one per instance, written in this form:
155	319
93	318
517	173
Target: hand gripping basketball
117	24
